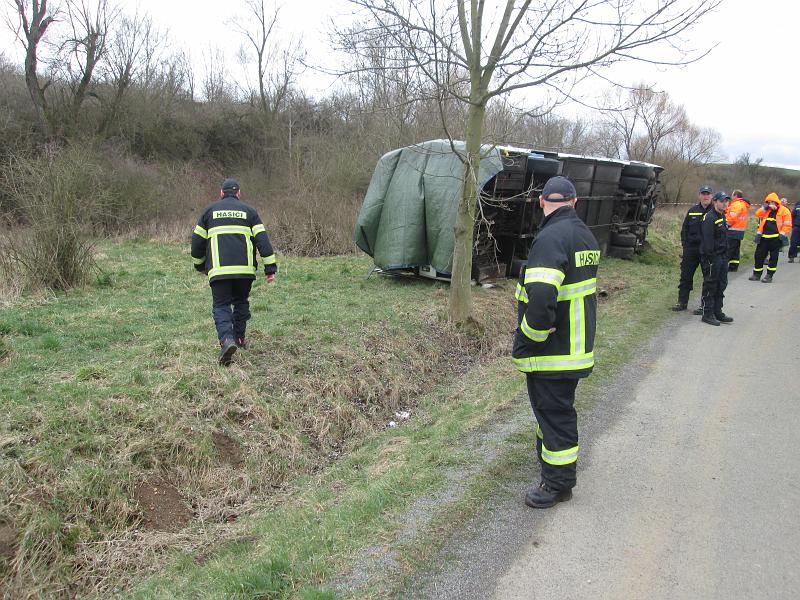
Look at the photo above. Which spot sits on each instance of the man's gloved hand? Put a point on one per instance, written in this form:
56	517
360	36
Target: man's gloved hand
784	240
270	277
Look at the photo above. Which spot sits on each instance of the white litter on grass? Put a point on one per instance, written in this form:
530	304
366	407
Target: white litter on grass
402	415
392	424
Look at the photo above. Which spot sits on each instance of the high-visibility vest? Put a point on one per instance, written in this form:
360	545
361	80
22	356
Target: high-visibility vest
737	215
781	216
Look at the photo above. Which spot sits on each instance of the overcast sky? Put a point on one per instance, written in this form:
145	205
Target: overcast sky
747	88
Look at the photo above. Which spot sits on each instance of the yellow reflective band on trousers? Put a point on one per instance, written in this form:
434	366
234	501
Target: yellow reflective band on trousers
537	335
270	260
558	362
201	232
560	457
544	275
539	433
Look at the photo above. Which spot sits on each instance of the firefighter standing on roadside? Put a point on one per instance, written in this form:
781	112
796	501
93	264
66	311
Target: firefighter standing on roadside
737	216
774	228
554	340
224	246
690	242
794	242
714	260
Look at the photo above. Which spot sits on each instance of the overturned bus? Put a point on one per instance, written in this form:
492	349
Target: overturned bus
407	221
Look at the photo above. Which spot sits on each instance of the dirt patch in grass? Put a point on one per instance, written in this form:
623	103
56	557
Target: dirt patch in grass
228	450
8	542
161	506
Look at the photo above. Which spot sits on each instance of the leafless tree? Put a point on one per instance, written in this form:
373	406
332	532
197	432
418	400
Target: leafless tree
130	49
83	48
32	21
277	64
495	49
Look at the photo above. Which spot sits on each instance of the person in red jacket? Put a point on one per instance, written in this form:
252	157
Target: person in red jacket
774	228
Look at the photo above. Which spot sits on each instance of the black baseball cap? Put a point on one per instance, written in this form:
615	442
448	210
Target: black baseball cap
706	189
561	186
230	184
722	196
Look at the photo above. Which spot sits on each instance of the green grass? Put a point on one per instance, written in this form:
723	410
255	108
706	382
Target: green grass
115	386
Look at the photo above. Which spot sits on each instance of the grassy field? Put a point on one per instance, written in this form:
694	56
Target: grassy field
133	465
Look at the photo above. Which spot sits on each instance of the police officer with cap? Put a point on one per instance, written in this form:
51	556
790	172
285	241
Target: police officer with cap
224	244
714	260
554	340
690	242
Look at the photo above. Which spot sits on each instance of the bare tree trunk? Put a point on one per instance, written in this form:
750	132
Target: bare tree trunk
460	293
33	30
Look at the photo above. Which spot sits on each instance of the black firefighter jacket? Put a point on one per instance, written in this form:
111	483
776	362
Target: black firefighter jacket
225	240
558	290
714	229
690	230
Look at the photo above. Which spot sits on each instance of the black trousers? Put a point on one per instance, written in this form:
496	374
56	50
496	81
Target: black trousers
689	263
771	247
553	403
794	242
734	247
231	309
715	280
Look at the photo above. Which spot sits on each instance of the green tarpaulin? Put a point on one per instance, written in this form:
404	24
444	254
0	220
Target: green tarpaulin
409	213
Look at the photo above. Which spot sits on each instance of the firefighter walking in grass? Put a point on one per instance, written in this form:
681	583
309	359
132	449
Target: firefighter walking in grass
224	247
554	340
774	229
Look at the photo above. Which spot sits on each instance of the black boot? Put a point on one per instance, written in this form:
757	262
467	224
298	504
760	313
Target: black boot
723	318
791	259
710	320
679	306
754	277
733	268
698	311
227	350
767	278
241	342
543	496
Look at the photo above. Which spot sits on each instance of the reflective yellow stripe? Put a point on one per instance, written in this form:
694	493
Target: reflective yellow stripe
215	252
521	294
201	232
717	221
248	241
772	268
587	287
563	362
258	229
769	235
758	270
544	275
232	270
738	228
240	229
560	457
577	330
270	260
198	261
733	262
539	433
537	335
696	214
770	219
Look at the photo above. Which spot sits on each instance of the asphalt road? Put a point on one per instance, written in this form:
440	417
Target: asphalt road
689	477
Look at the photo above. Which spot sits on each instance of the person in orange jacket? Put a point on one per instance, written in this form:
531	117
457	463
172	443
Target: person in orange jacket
774	228
737	215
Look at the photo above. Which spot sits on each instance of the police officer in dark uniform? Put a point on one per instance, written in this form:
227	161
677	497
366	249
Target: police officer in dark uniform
554	340
714	260
690	241
224	246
